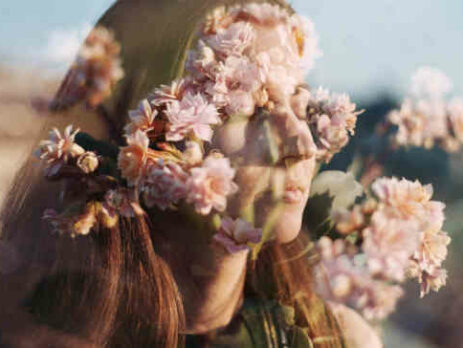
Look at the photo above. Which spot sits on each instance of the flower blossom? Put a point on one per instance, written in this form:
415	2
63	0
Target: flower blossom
133	157
389	244
340	278
409	200
209	185
234	40
95	72
252	55
60	147
429	82
191	114
332	118
142	118
426	118
235	235
164	184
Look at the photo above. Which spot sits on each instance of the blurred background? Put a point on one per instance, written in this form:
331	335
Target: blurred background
371	48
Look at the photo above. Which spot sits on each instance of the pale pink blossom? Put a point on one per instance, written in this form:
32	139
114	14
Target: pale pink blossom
379	300
209	185
133	157
60	147
430	83
409	200
235	235
170	93
342	279
192	114
234	40
455	111
433	249
333	118
432	281
307	40
164	184
142	118
95	72
389	244
218	19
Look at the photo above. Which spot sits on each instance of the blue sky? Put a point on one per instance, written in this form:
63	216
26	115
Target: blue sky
369	46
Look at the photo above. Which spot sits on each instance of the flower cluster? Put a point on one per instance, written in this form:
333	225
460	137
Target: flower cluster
394	236
251	56
94	73
426	117
60	150
332	117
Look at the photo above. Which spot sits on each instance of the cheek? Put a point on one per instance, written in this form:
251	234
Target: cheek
289	223
231	137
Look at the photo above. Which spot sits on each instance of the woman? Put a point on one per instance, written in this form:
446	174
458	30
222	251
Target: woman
151	272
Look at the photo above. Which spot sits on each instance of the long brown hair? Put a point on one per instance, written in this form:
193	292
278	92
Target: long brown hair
112	288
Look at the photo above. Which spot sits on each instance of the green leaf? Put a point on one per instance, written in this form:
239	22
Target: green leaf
340	185
331	190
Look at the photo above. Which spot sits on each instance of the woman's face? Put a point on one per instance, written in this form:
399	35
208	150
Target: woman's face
274	180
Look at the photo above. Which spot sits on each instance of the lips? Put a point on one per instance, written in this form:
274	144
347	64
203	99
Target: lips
293	195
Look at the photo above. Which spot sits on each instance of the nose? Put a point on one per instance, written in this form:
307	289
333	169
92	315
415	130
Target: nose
295	137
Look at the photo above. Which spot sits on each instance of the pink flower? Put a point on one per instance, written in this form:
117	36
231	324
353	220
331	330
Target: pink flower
95	72
455	111
192	114
433	281
163	184
341	278
142	118
209	185
332	118
235	235
389	245
234	40
409	200
430	83
170	93
132	158
307	39
60	147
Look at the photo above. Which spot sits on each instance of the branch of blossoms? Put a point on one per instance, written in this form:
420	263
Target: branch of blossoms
94	73
426	117
394	235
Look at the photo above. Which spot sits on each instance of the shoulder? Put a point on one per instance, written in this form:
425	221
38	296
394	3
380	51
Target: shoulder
356	330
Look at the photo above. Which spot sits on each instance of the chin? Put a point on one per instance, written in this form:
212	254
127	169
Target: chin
288	226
